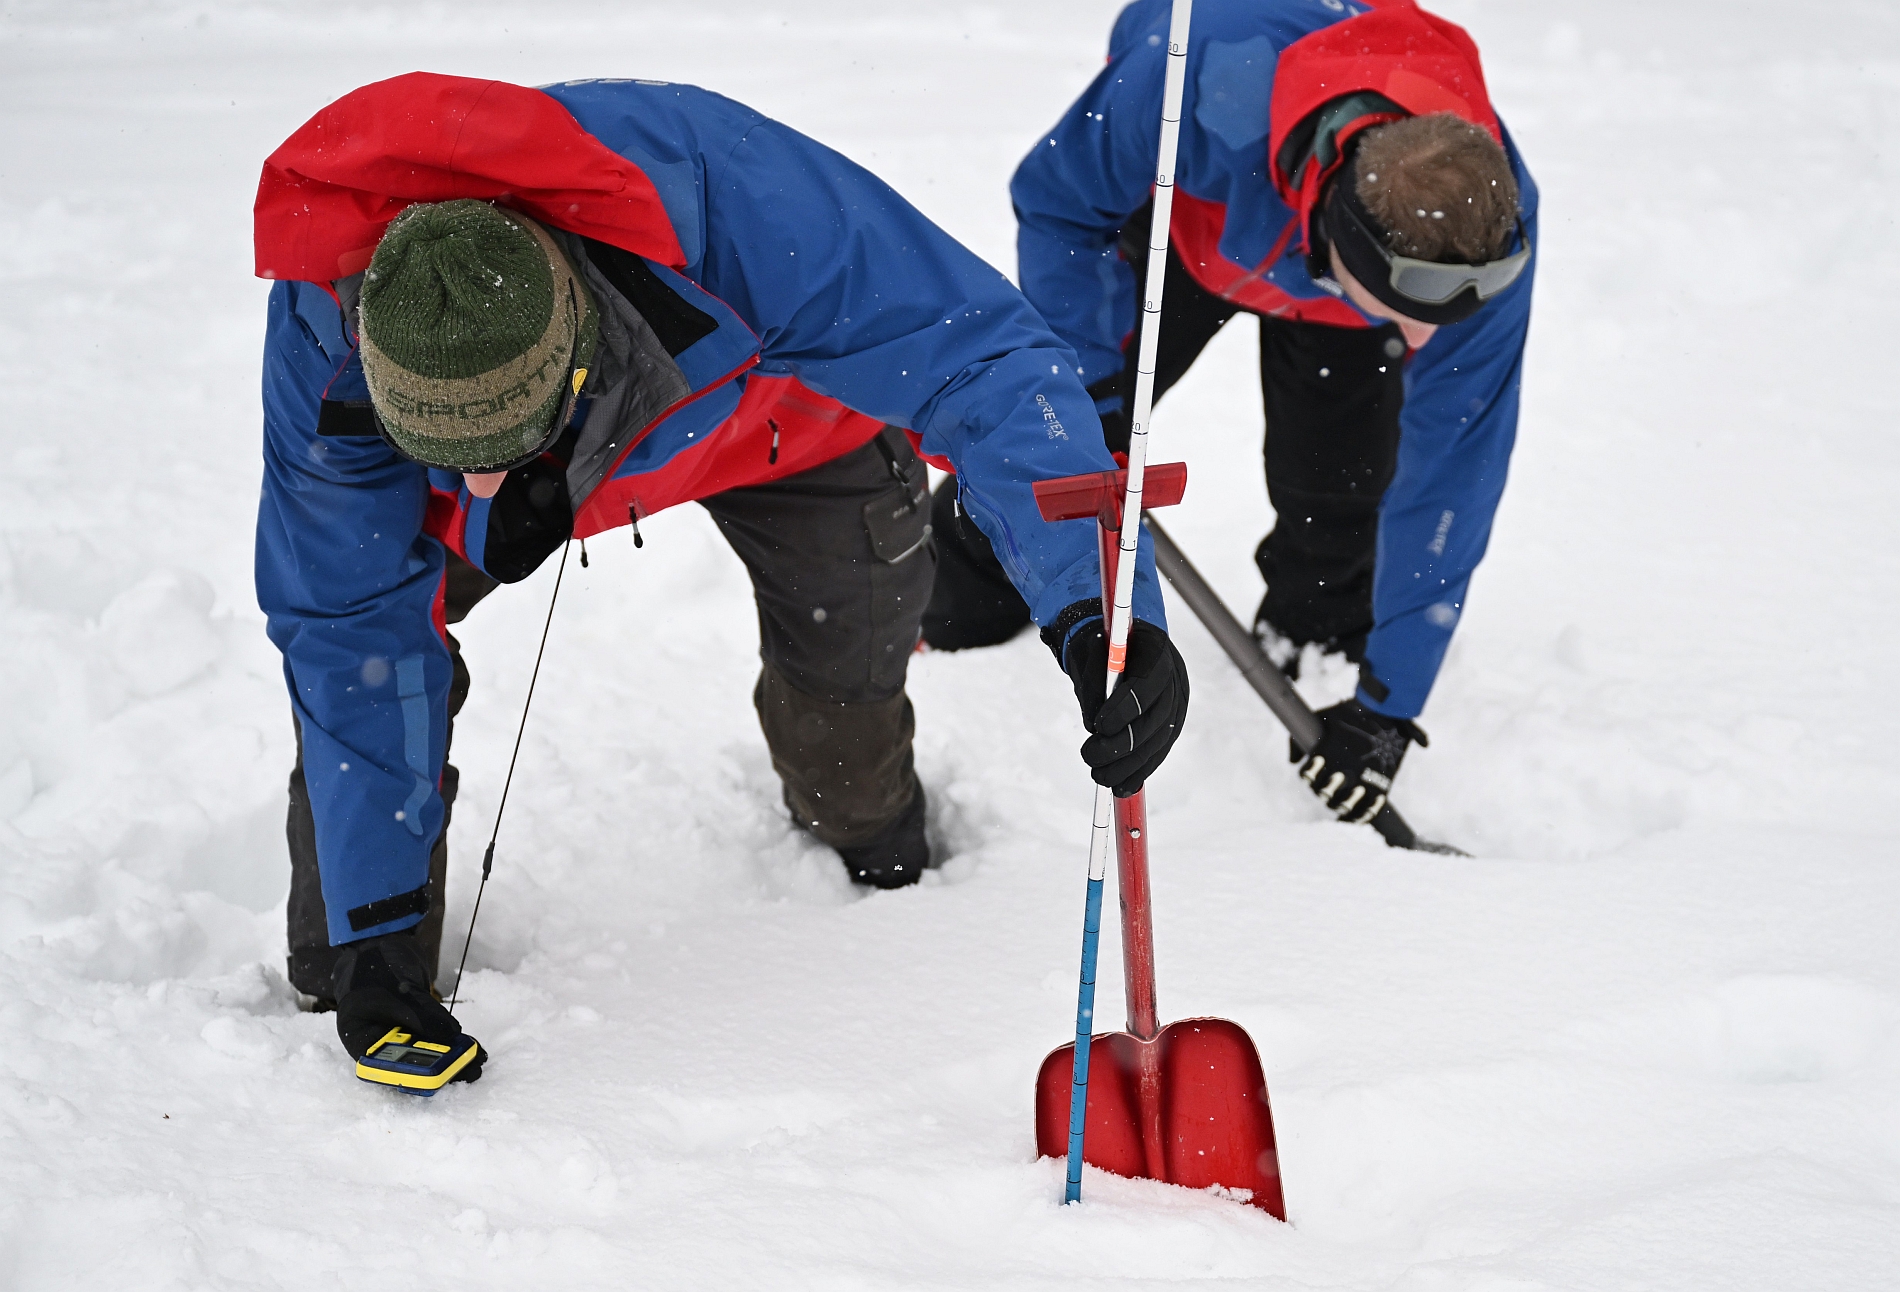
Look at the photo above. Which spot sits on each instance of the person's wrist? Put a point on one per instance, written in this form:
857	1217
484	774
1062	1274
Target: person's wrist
1061	630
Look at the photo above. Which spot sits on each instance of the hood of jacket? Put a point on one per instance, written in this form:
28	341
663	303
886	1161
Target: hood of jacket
1394	61
330	190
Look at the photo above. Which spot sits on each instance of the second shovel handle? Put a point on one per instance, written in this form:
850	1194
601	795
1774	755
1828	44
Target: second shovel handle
1262	674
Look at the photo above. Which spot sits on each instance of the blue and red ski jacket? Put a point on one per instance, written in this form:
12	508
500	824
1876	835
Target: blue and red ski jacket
1257	72
808	305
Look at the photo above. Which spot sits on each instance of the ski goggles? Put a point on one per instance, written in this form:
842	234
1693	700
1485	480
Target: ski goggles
1427	290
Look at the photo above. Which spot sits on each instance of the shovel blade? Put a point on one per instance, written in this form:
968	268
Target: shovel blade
1203	1119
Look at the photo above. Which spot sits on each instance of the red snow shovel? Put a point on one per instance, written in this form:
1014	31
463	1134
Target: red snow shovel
1185	1103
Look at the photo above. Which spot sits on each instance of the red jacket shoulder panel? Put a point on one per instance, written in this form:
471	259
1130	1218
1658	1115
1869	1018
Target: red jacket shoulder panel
330	190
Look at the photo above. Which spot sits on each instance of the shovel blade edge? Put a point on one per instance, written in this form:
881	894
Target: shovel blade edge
1215	1121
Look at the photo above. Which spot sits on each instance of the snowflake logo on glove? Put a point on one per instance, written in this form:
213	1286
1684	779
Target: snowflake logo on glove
1388	747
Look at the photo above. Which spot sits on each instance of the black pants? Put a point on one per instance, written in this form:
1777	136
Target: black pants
1332	397
841	564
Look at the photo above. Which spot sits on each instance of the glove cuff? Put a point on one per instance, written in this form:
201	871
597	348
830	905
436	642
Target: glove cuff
398	958
1370	688
1403	726
1056	635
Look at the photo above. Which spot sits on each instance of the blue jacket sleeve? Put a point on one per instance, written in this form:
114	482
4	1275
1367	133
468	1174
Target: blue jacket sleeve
348	583
1456	431
1074	192
856	294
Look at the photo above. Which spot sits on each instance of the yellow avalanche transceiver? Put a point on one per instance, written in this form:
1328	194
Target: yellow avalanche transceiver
417	1067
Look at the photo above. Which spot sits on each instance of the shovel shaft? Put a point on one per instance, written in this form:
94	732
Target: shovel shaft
1265	677
1138	973
1138	933
1131	856
1138	937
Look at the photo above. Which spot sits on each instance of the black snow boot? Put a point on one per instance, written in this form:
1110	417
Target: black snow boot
972	603
897	857
1285	651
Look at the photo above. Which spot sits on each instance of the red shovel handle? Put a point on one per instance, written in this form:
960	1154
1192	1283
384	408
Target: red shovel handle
1138	926
1131	854
1138	930
1138	936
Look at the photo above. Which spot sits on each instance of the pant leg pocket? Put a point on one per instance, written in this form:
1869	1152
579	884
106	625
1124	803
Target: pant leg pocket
902	570
897	521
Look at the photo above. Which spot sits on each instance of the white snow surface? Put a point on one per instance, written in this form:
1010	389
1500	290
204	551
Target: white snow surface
1648	1037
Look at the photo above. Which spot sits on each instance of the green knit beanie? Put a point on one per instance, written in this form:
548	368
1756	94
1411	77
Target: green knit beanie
471	319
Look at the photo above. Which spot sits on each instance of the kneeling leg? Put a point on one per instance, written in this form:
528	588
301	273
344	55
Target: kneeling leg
841	568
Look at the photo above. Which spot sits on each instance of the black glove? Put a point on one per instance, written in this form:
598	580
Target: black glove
1137	726
381	983
1352	767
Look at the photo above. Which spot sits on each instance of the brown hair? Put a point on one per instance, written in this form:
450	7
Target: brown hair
1441	187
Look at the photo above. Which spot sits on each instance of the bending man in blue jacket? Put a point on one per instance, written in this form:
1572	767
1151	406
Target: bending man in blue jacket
1343	177
505	317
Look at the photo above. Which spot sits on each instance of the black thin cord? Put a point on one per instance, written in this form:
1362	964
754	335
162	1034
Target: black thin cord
488	858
